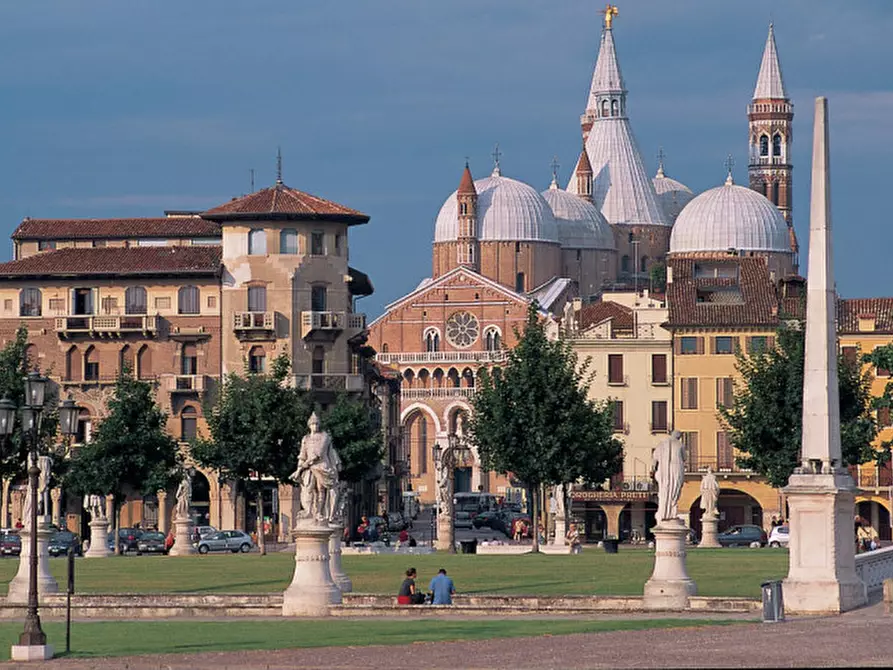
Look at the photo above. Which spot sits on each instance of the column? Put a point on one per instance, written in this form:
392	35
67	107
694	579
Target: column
288	499
612	513
56	496
162	511
5	521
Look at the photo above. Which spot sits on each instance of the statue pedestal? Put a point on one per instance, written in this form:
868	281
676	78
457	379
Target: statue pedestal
312	590
18	587
99	539
444	539
708	532
182	538
342	581
822	575
670	586
560	532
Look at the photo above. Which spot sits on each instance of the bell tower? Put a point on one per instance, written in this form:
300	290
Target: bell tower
467	247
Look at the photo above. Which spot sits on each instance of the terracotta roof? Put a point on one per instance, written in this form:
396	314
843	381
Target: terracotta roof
599	312
466	184
116	261
849	311
79	229
746	299
281	202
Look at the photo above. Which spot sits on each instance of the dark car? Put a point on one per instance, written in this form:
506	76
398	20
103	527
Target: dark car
10	545
63	540
485	520
742	536
151	542
128	539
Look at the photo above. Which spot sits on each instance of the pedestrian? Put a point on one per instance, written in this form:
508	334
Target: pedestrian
363	528
442	589
403	538
409	594
573	539
19	525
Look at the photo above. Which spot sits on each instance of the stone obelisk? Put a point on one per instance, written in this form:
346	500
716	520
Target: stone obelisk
822	576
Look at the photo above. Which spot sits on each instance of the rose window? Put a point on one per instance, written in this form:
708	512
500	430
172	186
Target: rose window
462	329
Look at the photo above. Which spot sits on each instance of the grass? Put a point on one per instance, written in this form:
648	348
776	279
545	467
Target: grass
130	638
717	572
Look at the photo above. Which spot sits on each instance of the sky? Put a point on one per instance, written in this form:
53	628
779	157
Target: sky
127	109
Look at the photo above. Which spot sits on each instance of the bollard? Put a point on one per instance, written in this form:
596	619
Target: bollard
773	602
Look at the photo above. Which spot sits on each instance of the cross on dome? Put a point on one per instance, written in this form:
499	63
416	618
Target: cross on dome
729	163
496	155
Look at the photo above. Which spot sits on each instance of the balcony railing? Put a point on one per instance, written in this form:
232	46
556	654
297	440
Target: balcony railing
332	322
185	383
409	357
450	392
622	483
870	476
699	464
243	321
329	382
106	326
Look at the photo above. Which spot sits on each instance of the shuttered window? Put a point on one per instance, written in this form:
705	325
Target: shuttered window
288	241
659	416
257	298
724	394
725	457
135	301
658	368
188	300
724	345
618	415
850	354
690	440
689	345
615	368
688	392
883	417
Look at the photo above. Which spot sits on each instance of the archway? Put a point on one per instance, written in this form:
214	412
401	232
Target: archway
200	509
637	520
877	515
735	508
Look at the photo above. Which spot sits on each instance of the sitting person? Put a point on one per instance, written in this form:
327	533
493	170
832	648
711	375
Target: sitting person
442	589
408	594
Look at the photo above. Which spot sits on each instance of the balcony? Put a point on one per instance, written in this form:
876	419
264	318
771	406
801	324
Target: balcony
429	357
622	483
723	465
450	392
870	476
106	326
331	323
254	325
185	383
329	382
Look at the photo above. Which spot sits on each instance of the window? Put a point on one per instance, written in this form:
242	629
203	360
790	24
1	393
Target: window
384	348
617	406
614	108
73	369
288	241
883	417
188	424
463	208
257	360
82	301
144	363
775	193
687	346
257	242
658	368
776	144
759	344
7	305
881	372
725	455
724	345
212	302
30	302
692	458
850	354
624	264
151	242
519	282
492	340
643	264
615	368
91	365
604	108
764	145
57	305
189	360
188	300
135	300
659	416
432	341
257	298
85	427
724	392
125	360
318	298
317	244
46	245
688	390
99	244
109	305
339	244
162	303
319	361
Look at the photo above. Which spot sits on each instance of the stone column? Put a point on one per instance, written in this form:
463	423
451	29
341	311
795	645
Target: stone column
287	504
5	521
56	496
99	534
342	581
18	587
163	525
312	590
708	532
670	586
612	515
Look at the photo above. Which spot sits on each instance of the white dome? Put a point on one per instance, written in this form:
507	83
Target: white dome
730	217
507	209
580	224
672	195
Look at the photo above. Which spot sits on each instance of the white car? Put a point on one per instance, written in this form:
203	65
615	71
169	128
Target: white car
780	536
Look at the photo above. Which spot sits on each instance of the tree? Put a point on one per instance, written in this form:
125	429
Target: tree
882	359
534	420
356	433
765	419
658	275
130	448
256	425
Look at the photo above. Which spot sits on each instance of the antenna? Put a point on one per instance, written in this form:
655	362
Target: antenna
278	165
251	179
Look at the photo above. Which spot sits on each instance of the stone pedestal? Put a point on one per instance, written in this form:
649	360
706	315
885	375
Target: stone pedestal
342	581
312	590
708	533
560	532
822	574
444	532
38	652
18	587
670	586
182	538
99	539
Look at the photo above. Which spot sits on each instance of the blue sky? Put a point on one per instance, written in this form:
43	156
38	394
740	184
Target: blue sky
114	108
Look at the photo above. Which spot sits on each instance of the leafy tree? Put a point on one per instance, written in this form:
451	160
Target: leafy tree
356	433
882	358
765	419
130	449
533	418
658	275
256	426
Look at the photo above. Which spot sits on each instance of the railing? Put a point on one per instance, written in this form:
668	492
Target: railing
444	357
621	483
331	321
106	325
449	392
253	321
873	567
870	476
722	464
185	383
329	382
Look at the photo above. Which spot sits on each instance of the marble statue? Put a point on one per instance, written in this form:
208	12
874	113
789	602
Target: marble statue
444	485
560	502
318	468
184	495
668	461
45	463
570	318
338	503
96	507
709	493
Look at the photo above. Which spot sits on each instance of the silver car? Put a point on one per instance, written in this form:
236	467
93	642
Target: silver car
226	540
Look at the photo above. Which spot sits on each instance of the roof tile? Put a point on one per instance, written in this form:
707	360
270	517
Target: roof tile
281	201
80	229
117	261
849	311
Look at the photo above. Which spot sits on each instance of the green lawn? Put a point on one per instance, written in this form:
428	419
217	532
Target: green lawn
130	638
718	572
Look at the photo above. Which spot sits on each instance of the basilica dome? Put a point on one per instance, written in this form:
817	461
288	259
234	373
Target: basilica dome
730	217
580	224
507	210
672	195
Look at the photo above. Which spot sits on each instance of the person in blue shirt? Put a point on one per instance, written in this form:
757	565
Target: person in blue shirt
442	589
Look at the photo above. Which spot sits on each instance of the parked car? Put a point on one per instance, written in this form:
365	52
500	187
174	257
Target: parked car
742	536
226	540
485	520
10	544
780	536
198	532
464	519
397	522
128	539
63	540
151	542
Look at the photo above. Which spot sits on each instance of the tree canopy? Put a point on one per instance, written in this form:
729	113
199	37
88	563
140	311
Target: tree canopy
356	433
765	419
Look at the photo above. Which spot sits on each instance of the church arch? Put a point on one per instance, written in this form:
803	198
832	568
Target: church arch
408	377
453	378
438	378
735	507
424	378
417	427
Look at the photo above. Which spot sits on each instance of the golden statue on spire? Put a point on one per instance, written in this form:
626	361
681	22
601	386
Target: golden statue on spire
610	11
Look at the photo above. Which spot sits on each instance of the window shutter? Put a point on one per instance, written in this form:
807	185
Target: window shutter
725	459
683	392
736	344
677	345
883	416
658	368
700	345
712	345
770	343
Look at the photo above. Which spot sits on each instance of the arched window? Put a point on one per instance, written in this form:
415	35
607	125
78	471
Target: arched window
125	360
257	360
189	359
492	339
288	241
257	242
424	378
463	208
615	108
91	364
468	378
432	340
764	145
85	427
776	144
604	108
453	376
135	301
73	365
775	187
624	264
643	264
188	424
144	363
188	300
384	348
30	300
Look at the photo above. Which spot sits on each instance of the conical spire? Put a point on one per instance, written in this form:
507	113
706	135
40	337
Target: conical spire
466	184
770	84
607	77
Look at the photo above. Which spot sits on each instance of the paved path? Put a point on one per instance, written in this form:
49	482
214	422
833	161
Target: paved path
859	638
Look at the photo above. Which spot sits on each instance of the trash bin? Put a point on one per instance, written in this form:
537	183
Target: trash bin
611	545
469	546
773	602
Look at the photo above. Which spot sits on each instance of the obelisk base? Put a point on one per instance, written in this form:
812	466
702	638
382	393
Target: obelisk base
18	587
822	575
342	581
312	590
670	586
708	533
23	653
99	539
182	538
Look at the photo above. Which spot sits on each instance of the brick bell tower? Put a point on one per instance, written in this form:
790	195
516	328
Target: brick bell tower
770	117
467	246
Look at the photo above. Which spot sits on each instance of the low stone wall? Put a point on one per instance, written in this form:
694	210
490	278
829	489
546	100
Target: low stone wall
372	549
875	567
504	548
152	606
